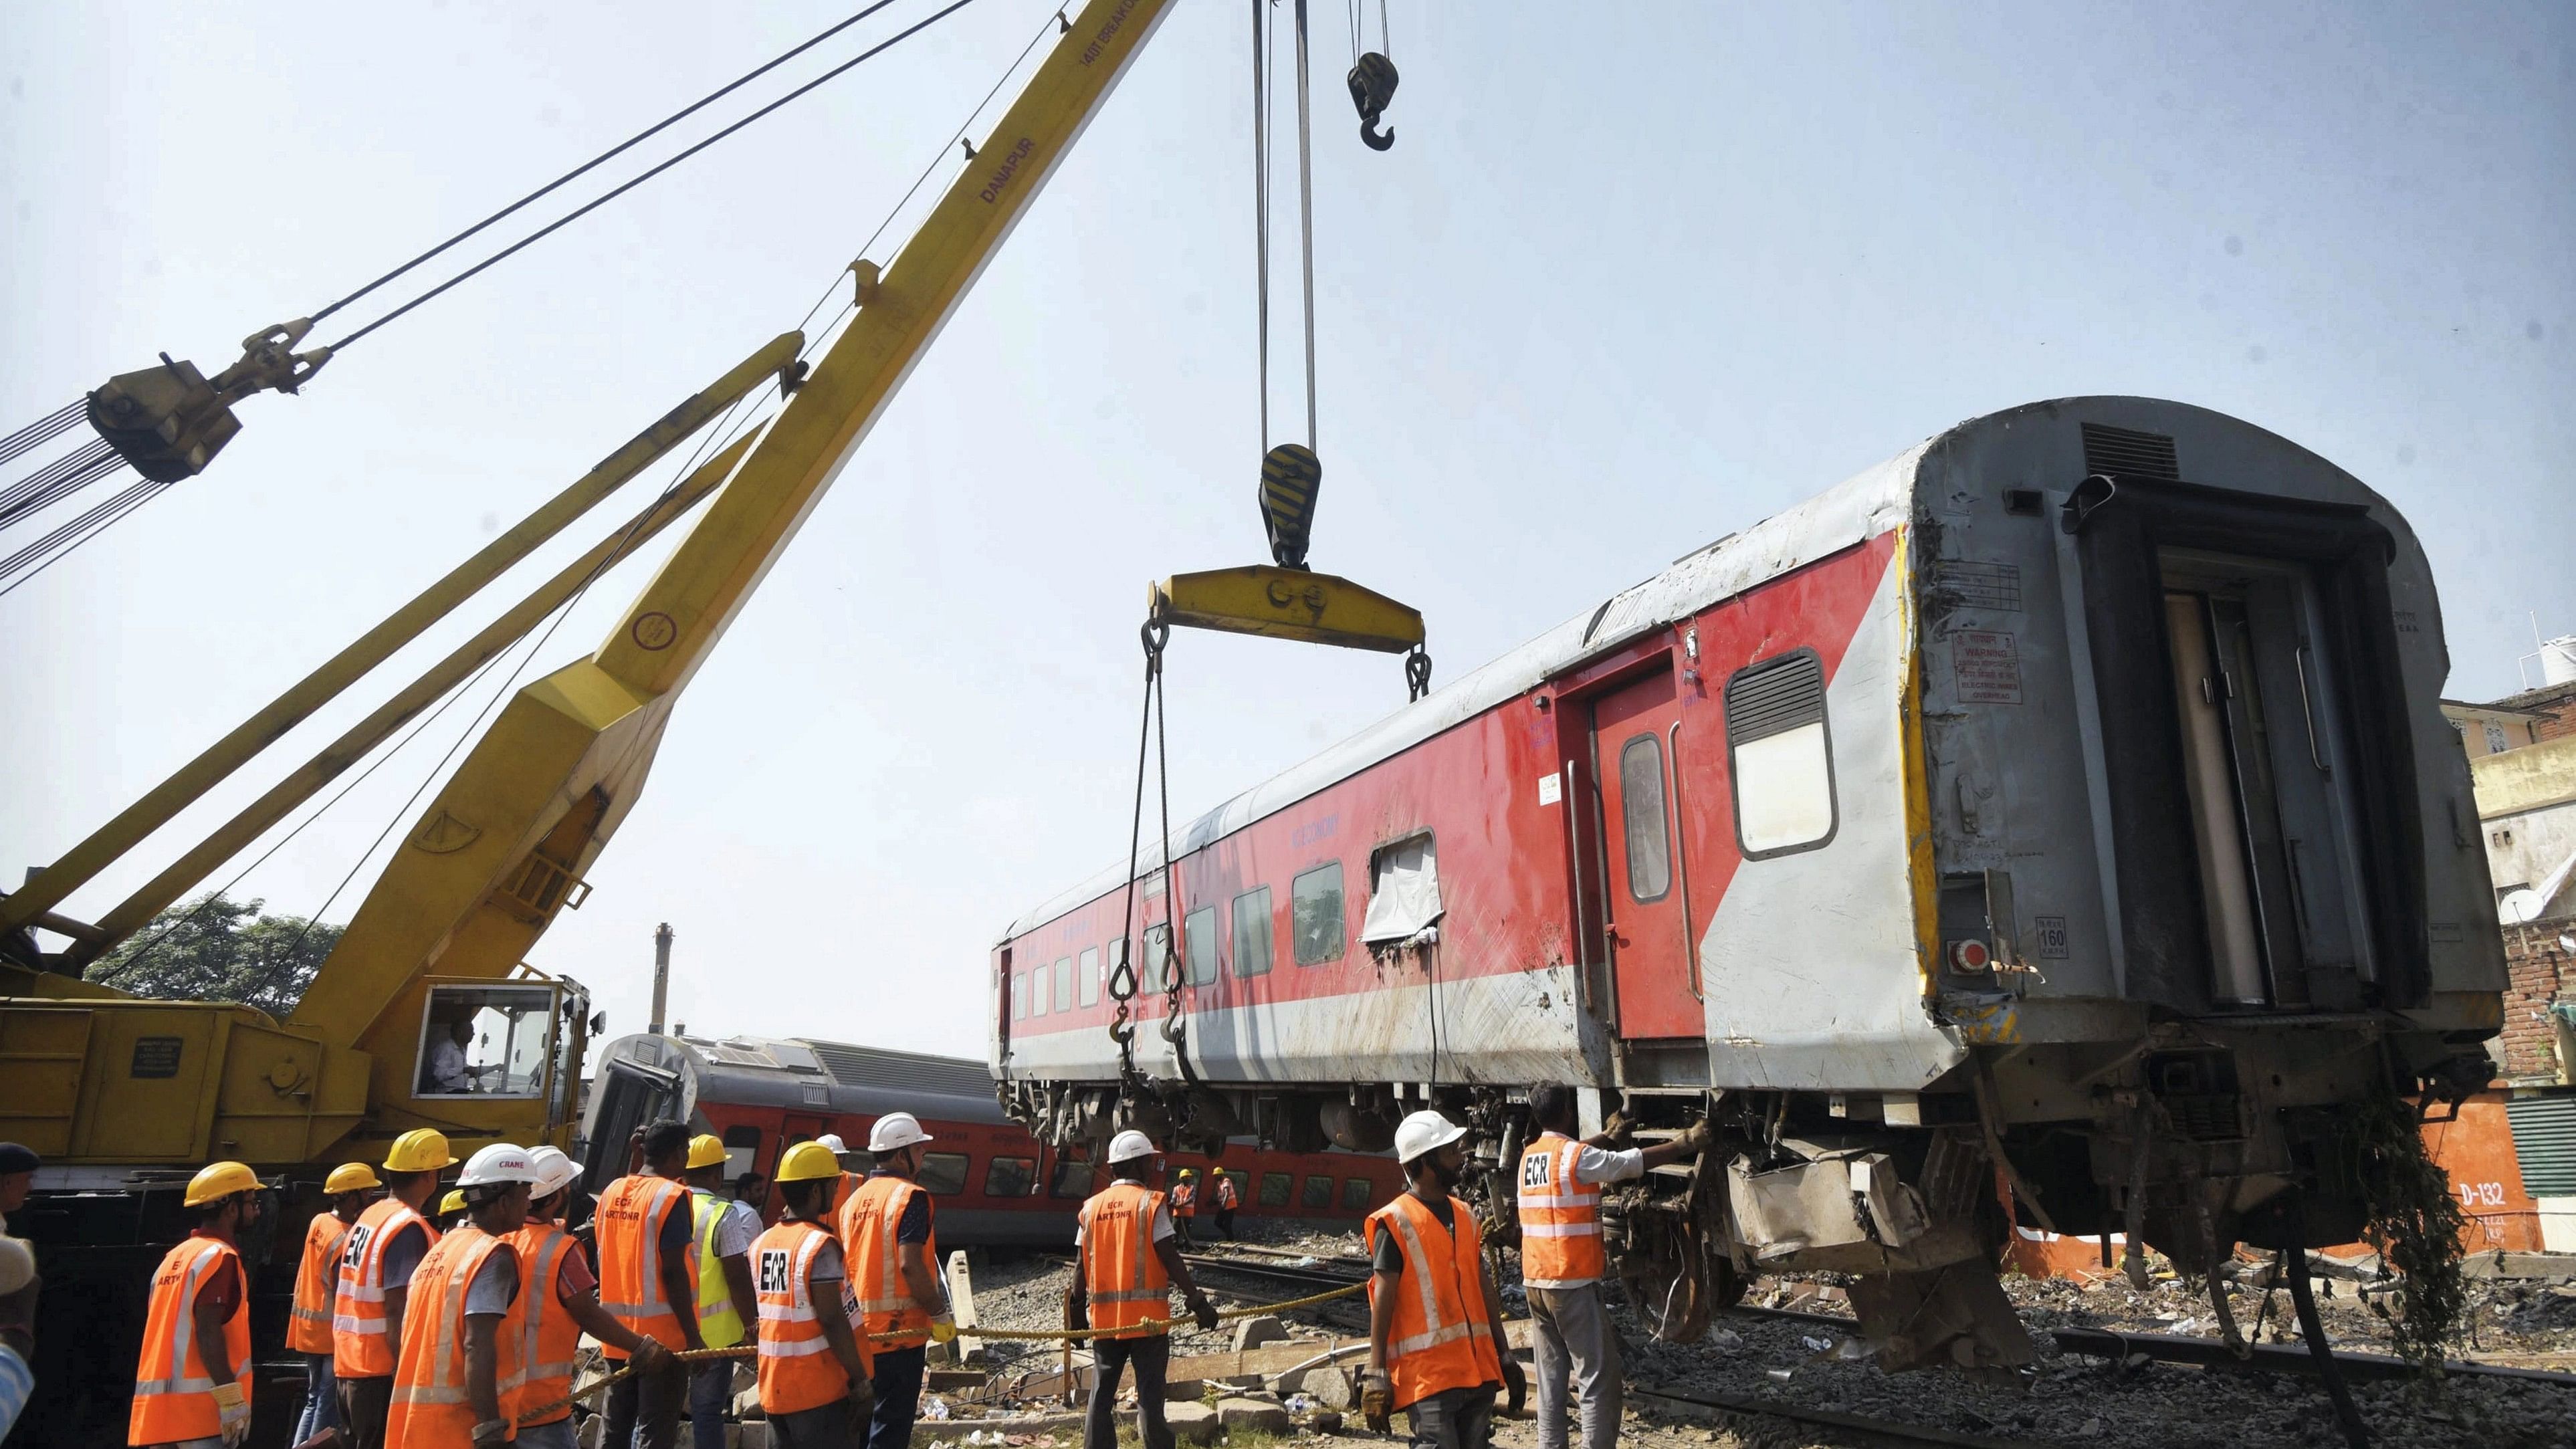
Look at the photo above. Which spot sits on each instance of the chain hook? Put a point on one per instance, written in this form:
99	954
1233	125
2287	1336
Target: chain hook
1417	674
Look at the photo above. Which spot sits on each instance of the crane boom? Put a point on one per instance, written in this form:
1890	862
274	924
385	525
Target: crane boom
502	849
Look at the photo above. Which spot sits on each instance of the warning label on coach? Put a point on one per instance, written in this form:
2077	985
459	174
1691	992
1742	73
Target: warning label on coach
1987	665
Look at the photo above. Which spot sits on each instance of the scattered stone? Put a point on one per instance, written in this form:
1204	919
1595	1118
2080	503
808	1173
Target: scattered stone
1331	1385
1192	1423
1260	1416
1255	1331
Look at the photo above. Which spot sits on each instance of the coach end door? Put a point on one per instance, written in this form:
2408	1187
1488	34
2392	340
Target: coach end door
1643	876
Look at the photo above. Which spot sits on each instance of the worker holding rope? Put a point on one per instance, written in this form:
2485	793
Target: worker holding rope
1125	1266
891	1250
814	1367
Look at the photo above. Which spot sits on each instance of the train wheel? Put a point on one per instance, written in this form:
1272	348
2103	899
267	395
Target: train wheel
1666	1273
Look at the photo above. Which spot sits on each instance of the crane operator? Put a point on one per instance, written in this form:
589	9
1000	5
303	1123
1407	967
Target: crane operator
448	1069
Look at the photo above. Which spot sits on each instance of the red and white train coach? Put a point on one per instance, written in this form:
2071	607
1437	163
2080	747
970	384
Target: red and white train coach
2066	798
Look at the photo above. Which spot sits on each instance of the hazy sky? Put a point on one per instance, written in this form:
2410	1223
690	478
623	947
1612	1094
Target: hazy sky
1632	277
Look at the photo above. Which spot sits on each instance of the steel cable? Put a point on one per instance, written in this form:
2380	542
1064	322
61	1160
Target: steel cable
43	430
88	525
53	482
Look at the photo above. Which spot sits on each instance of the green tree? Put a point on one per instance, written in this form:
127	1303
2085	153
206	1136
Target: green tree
215	948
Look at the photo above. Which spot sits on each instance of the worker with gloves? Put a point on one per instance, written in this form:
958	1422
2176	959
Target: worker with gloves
1125	1265
814	1367
1436	1344
192	1384
892	1254
1562	1261
724	1230
461	1339
1185	1204
349	1188
386	1245
643	1225
560	1303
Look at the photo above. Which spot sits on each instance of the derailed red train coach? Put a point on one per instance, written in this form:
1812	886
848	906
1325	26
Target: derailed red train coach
2065	800
995	1184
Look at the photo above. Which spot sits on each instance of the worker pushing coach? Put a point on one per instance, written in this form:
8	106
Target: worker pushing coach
891	1248
1125	1265
1436	1344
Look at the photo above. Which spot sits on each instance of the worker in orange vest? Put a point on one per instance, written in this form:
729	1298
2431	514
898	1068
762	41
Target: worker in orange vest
849	1181
1228	1198
183	1394
1436	1343
1562	1262
649	1282
1185	1203
461	1337
559	1299
890	1249
814	1367
385	1246
1126	1262
349	1188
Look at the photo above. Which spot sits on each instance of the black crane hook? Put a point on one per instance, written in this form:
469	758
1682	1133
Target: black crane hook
1372	83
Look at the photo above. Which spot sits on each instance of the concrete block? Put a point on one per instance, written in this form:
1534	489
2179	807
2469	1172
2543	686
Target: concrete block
1262	1328
593	1429
1183	1391
1331	1385
746	1404
1260	1416
1193	1423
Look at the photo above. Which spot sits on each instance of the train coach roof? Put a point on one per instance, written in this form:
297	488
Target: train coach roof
1860	507
869	1080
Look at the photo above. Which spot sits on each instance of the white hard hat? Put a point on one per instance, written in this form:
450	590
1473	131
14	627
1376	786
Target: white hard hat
498	1163
1424	1131
895	1130
553	1169
831	1142
1129	1145
17	1265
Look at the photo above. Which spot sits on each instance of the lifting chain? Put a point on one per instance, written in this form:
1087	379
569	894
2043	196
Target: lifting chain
1124	979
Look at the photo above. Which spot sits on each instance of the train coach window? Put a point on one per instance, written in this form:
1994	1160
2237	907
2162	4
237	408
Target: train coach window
1072	1178
942	1173
1404	891
742	1150
1038	989
1318	1195
1274	1188
1252	932
1315	911
1779	753
1019	995
1064	984
1087	976
1158	968
1356	1192
1011	1177
1198	938
1641	806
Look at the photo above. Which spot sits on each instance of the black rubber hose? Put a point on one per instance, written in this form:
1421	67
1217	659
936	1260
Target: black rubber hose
2313	1329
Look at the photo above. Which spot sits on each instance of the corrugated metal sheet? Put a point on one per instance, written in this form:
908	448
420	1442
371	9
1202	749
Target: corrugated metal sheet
858	1066
2544	1138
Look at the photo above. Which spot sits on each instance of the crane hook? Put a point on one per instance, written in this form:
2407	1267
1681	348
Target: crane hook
1372	83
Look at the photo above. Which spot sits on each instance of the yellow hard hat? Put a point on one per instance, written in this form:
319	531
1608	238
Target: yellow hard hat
807	1161
706	1150
422	1149
454	1202
350	1177
1189	1172
220	1180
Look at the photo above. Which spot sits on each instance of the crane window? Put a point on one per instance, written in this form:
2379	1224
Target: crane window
1252	932
1641	797
1780	755
1315	906
1198	937
485	1041
1087	976
1064	984
943	1174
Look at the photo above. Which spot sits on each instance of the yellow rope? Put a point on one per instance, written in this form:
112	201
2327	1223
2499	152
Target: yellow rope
1016	1335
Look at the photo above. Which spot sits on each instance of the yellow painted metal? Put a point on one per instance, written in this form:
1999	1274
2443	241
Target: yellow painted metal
165	800
228	840
1923	872
1286	604
552	778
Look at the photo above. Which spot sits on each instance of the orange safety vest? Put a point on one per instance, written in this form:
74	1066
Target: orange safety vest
1560	1217
430	1407
174	1395
359	1349
1121	1273
872	1259
1226	1199
628	1224
1185	1198
547	1333
317	1282
842	1187
1440	1339
797	1368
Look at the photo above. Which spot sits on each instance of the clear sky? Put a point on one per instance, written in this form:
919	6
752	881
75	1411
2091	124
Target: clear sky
1632	277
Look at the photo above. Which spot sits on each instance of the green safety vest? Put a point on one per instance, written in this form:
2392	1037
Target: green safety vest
719	1323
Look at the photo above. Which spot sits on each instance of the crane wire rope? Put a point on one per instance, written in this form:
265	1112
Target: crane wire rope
1306	220
1261	9
606	156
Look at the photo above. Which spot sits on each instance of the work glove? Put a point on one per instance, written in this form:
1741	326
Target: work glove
943	1329
232	1414
1618	1127
1701	1137
492	1431
650	1357
1377	1400
1203	1312
1515	1387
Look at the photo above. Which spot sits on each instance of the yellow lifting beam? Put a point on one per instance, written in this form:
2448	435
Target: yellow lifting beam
190	782
1286	604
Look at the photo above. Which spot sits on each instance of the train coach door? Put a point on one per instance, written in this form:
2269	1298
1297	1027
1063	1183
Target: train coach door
1642	875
